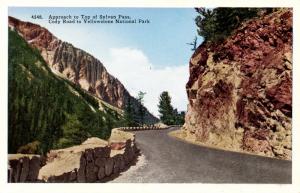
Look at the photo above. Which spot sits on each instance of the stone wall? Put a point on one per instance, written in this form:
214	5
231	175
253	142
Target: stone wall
157	126
142	128
23	168
93	161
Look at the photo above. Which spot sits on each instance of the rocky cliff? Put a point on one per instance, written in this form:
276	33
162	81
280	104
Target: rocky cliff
76	65
240	90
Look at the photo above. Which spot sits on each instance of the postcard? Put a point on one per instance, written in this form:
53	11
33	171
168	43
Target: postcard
177	96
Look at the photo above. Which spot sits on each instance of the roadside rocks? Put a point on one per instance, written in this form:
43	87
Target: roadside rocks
92	161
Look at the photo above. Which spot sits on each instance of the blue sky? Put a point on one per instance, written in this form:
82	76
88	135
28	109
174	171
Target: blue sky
158	49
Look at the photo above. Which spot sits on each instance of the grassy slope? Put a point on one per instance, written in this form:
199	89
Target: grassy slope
46	109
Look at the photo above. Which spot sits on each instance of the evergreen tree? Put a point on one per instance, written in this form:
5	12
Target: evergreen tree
179	117
165	109
73	132
218	23
129	114
141	108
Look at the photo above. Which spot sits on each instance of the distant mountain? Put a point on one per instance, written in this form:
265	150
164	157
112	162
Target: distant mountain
77	66
46	111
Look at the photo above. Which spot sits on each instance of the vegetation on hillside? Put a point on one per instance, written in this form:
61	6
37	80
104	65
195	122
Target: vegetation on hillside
216	24
141	109
134	116
169	115
43	110
129	114
89	98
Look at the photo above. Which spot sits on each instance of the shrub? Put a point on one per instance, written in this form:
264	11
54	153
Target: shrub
30	148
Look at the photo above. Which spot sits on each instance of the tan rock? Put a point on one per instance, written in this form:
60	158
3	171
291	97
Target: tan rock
76	162
117	145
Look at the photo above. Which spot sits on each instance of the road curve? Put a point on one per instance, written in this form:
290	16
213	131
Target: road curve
168	160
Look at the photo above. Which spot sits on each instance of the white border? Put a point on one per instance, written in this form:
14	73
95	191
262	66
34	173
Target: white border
148	188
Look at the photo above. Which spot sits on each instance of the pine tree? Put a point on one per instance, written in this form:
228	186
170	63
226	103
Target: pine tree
216	24
141	108
129	114
179	117
165	109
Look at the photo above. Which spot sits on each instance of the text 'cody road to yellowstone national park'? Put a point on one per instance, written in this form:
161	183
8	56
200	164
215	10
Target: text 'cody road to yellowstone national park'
92	19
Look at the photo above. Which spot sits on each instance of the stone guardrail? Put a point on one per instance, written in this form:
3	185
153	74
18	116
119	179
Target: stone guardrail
93	161
23	167
142	128
175	125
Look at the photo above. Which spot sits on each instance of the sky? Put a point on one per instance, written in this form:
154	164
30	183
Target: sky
151	57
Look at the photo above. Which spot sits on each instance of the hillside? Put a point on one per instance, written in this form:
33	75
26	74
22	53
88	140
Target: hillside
46	111
240	89
78	66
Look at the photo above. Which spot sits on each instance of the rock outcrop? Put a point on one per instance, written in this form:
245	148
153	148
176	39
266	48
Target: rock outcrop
240	91
76	65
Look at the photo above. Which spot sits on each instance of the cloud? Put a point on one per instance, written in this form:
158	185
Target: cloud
133	68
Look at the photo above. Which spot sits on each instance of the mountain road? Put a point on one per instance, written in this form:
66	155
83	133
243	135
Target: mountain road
169	160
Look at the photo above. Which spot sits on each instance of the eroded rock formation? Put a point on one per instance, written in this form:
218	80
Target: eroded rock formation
240	91
76	65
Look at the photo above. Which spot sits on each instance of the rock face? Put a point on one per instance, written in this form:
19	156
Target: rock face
240	91
76	65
